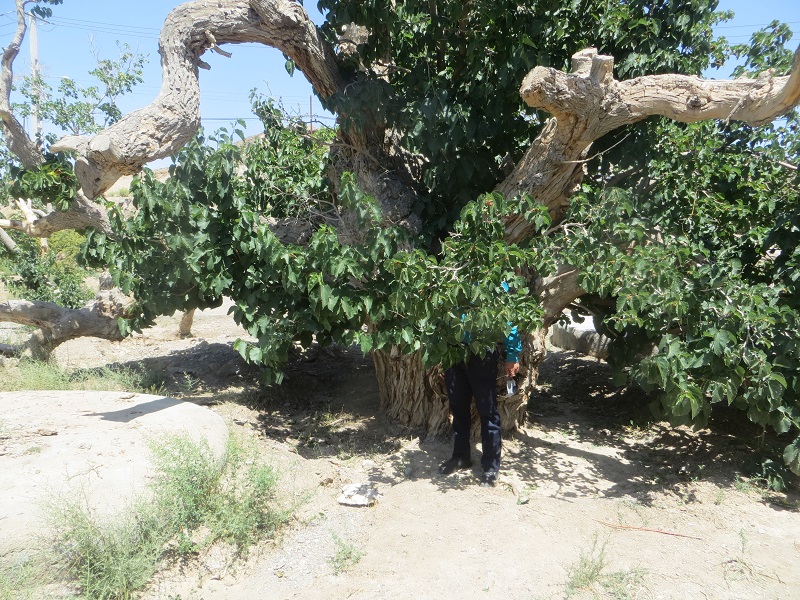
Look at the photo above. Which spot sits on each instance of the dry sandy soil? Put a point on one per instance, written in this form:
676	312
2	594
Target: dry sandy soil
667	509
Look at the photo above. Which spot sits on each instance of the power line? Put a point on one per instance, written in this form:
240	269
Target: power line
738	37
83	21
120	30
150	90
755	25
147	32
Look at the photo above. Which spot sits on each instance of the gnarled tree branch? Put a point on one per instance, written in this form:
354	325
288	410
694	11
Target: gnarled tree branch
588	103
164	126
557	292
57	324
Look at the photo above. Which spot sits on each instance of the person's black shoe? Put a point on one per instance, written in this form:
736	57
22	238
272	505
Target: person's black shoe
489	478
454	464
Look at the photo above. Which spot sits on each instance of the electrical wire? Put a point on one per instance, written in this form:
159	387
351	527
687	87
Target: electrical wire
753	26
116	25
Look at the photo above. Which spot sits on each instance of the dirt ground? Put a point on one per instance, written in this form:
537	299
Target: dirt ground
660	512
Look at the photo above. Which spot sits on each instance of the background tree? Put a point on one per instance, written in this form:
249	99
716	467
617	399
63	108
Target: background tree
39	190
428	120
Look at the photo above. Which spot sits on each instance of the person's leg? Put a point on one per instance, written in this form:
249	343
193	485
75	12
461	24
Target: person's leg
459	393
482	372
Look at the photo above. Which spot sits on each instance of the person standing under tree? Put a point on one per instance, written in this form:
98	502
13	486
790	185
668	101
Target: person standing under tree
476	377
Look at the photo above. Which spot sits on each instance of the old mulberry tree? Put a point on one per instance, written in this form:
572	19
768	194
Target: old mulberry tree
568	148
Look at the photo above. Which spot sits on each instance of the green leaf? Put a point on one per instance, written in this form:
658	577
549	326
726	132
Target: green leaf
791	456
366	343
325	294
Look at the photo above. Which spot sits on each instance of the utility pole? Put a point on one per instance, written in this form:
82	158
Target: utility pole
310	114
36	122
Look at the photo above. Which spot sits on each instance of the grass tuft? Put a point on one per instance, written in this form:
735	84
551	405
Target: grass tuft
19	581
112	558
345	557
587	575
586	572
196	500
234	500
39	375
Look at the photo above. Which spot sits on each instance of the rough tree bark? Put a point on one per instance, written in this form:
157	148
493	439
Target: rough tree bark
161	128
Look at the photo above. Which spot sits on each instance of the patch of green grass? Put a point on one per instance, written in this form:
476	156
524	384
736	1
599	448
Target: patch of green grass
739	567
750	485
234	501
39	375
113	557
345	557
526	493
587	575
197	500
15	335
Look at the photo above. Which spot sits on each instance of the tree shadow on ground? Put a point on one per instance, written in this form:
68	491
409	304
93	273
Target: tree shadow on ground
584	437
587	438
203	367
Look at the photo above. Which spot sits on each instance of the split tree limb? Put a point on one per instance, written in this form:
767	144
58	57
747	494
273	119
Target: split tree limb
82	214
557	292
588	103
10	244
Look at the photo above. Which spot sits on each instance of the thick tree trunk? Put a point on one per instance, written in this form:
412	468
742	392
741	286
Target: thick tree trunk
585	104
411	394
417	397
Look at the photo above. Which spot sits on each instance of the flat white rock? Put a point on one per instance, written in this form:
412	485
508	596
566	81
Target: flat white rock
359	494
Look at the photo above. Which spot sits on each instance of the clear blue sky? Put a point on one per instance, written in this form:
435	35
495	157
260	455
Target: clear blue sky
64	50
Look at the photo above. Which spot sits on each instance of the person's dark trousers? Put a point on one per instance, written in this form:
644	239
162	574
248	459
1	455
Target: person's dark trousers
477	377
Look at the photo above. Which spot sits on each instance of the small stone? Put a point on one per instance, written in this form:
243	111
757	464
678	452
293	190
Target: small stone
368	464
408	472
